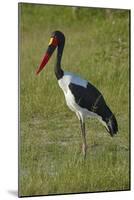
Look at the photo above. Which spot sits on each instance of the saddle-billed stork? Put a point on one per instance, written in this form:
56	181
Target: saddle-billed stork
81	96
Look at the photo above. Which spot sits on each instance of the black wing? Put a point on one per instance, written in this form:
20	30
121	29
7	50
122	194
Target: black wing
90	98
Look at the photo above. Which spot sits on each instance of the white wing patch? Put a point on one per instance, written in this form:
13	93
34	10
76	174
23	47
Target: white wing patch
71	78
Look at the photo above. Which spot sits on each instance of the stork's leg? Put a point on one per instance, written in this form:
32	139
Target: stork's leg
84	145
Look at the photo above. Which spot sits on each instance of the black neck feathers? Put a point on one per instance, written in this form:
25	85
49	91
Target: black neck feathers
57	69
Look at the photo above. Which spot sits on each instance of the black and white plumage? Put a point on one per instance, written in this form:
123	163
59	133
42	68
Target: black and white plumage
81	96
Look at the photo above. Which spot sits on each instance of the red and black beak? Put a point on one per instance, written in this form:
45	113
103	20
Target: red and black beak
51	47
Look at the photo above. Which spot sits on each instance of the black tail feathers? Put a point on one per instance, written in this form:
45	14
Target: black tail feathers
112	125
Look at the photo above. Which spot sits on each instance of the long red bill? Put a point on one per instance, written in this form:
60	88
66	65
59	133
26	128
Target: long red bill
43	63
52	45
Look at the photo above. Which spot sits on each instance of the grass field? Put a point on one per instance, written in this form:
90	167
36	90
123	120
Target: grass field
97	48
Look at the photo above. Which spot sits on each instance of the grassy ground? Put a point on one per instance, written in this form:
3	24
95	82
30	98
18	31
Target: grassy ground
97	48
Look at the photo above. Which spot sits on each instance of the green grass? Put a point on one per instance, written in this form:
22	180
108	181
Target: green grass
97	48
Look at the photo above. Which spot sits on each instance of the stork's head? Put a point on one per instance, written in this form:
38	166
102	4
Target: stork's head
57	39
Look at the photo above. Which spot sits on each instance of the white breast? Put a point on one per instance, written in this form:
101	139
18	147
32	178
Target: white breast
70	78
